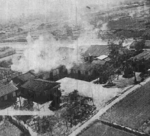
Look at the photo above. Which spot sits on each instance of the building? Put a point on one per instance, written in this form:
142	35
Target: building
95	51
93	58
8	94
40	91
61	71
58	73
21	79
141	61
137	45
87	71
143	55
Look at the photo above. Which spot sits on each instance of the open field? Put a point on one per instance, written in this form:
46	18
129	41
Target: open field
133	110
100	129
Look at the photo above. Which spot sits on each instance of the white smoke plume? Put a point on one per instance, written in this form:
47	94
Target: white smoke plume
45	54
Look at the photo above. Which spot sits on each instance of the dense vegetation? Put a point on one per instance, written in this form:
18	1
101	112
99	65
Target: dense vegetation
77	108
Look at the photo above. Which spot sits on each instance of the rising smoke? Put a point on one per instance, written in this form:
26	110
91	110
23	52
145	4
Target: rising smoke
45	54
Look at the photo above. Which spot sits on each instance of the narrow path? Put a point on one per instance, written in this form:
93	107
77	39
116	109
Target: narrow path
23	127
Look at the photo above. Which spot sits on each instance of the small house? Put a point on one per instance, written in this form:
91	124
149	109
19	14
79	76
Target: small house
96	51
21	79
86	71
40	91
58	73
8	94
141	61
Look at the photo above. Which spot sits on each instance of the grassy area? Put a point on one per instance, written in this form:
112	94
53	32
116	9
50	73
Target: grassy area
127	27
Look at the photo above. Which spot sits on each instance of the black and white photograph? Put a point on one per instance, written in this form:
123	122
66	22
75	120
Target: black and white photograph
74	68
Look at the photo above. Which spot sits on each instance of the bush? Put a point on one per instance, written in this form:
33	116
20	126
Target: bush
27	105
77	109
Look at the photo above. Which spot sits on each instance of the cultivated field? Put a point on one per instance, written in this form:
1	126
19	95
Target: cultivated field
133	111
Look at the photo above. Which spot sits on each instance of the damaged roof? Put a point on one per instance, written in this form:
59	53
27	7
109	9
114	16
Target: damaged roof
144	55
97	50
39	85
6	89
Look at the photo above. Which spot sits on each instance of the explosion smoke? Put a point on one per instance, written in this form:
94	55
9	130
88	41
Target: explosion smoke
44	54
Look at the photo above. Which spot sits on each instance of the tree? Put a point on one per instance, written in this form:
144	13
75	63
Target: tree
45	124
77	109
28	104
24	134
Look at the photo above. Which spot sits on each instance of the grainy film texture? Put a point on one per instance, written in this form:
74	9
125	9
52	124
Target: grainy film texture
74	68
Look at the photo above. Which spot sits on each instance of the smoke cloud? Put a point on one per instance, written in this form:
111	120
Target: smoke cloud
45	54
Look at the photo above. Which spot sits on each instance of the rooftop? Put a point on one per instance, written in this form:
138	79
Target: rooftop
137	44
6	89
97	50
24	77
144	55
39	85
86	66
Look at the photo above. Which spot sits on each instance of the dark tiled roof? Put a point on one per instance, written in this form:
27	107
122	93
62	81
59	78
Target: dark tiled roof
136	43
97	50
24	77
100	129
88	66
39	85
144	55
6	89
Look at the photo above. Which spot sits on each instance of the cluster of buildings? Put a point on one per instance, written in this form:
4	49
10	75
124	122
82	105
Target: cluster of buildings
29	87
43	87
93	57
